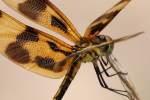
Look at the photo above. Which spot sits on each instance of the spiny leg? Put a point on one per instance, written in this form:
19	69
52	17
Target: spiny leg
104	71
102	81
68	78
100	77
104	63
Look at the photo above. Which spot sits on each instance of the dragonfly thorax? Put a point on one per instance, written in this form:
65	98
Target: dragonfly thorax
95	53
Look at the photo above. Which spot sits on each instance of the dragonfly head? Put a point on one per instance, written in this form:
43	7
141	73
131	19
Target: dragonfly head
94	53
106	49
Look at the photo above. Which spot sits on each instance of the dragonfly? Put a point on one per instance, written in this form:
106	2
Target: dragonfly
46	55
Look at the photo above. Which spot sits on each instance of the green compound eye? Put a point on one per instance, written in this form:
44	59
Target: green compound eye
110	48
107	50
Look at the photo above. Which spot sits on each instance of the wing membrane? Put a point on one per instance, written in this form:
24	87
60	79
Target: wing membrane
32	49
101	22
46	14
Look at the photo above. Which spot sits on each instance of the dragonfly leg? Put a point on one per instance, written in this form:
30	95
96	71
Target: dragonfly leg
104	63
103	83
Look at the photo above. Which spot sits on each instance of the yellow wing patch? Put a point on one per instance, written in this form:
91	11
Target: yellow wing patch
101	22
46	14
32	49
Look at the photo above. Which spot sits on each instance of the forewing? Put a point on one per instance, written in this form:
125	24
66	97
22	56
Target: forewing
101	22
47	14
32	49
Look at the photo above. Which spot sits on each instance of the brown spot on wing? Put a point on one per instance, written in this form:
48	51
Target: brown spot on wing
32	8
48	63
17	53
58	23
98	27
0	13
28	35
111	15
54	47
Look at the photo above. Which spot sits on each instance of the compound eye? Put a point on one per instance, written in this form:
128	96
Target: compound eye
102	37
